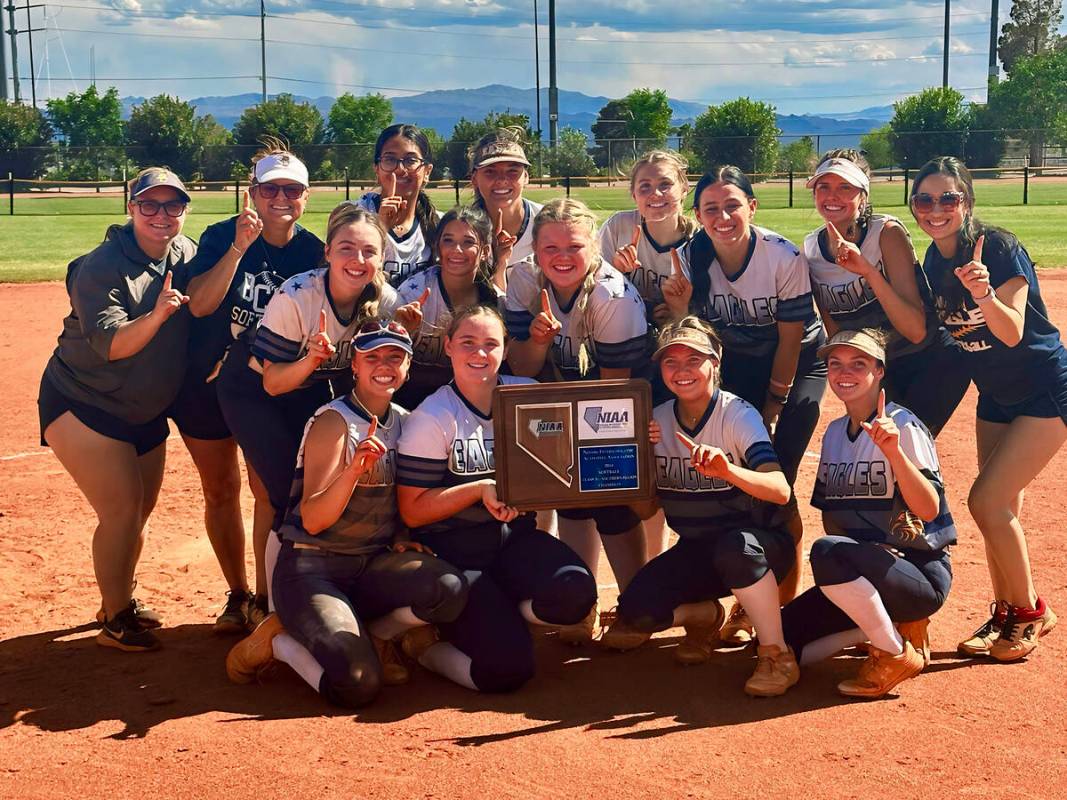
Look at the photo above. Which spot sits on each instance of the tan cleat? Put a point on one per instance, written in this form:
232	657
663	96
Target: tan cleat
738	629
394	673
253	653
582	632
1018	638
622	636
701	635
776	671
881	672
417	641
918	633
981	641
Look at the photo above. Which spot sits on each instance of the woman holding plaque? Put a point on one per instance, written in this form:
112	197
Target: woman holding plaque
724	492
446	492
572	316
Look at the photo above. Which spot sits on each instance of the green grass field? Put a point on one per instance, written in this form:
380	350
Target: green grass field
47	232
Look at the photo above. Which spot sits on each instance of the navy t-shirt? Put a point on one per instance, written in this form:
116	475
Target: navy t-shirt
1008	375
260	273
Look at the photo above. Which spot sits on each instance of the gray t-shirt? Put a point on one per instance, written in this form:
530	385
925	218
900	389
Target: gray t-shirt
114	284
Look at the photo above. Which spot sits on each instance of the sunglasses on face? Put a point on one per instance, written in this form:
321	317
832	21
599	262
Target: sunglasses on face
390	163
924	203
149	208
268	191
378	326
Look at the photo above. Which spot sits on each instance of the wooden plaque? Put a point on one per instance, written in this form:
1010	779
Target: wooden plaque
573	445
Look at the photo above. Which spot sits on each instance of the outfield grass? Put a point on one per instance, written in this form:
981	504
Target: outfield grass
46	233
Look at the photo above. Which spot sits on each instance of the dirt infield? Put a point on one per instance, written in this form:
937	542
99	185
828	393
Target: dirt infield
77	720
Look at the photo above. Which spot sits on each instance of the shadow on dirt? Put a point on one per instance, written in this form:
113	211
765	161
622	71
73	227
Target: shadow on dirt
61	681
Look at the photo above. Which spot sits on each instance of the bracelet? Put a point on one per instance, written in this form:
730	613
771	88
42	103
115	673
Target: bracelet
236	249
985	298
784	386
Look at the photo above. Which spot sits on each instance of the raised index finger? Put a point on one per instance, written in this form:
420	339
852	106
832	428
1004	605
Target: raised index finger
499	220
676	264
977	256
247	201
322	321
389	184
881	403
637	235
424	296
689	443
833	234
546	306
167	280
373	427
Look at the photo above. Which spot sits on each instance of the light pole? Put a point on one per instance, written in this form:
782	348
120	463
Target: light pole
944	70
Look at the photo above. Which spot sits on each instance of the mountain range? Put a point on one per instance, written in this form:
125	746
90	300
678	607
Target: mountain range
441	110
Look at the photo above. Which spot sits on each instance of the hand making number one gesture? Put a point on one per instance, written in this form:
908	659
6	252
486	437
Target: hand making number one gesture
677	289
711	462
249	225
410	315
320	348
503	242
392	206
545	326
846	253
883	430
368	451
974	274
626	256
169	300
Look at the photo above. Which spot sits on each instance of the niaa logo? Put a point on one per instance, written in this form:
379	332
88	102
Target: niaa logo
545	427
596	418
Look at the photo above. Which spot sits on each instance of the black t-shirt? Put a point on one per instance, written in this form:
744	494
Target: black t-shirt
259	274
1008	375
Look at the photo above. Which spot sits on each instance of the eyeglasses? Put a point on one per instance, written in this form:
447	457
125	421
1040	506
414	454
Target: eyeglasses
390	163
268	191
924	203
149	208
381	325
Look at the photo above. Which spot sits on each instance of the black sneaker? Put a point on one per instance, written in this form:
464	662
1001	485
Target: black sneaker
124	632
234	617
146	617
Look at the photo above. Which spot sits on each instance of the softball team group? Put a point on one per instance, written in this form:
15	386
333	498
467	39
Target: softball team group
356	375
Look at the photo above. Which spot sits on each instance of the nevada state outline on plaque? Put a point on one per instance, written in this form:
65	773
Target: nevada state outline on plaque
544	432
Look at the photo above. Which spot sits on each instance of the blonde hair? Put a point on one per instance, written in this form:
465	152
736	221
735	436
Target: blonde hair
676	162
568	211
349	213
270	146
512	134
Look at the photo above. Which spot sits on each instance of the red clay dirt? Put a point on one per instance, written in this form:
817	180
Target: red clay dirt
77	720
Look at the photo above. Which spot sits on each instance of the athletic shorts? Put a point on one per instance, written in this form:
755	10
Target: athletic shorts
145	437
196	410
610	520
1047	405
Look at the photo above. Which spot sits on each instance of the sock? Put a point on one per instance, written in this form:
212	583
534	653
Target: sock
1024	614
825	647
861	601
760	600
526	609
446	659
270	561
395	623
289	651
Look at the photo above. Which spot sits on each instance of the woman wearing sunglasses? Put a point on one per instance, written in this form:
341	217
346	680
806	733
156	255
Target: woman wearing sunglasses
104	394
864	274
403	161
245	259
986	292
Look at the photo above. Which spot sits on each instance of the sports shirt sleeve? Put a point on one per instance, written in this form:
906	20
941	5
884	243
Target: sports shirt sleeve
795	301
280	336
750	436
522	288
918	446
618	327
98	296
422	452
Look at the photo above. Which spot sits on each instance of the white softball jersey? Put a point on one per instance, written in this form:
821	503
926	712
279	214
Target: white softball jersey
856	490
292	318
697	506
614	328
370	521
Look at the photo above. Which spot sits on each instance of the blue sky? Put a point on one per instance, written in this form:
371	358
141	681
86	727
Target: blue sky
802	55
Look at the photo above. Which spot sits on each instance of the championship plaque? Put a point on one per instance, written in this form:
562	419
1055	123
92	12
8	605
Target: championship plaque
573	445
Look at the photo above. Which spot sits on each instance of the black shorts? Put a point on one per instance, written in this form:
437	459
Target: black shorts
610	520
196	410
1049	404
145	437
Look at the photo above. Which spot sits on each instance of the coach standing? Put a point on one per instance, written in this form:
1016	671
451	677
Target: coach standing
118	365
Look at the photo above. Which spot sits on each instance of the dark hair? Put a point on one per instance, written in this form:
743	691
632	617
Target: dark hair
951	289
478	221
424	210
857	158
724	173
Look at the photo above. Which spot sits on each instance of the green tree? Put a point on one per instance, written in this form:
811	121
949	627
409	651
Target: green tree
797	156
164	130
611	132
571	156
878	147
25	136
742	132
356	122
986	141
932	123
650	117
466	134
218	156
439	148
1033	29
89	120
300	125
1034	100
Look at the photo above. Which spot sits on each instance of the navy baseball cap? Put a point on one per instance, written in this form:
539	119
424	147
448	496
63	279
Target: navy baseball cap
382	333
158	176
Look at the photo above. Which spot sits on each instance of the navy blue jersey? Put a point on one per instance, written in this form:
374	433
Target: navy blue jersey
1008	375
262	269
